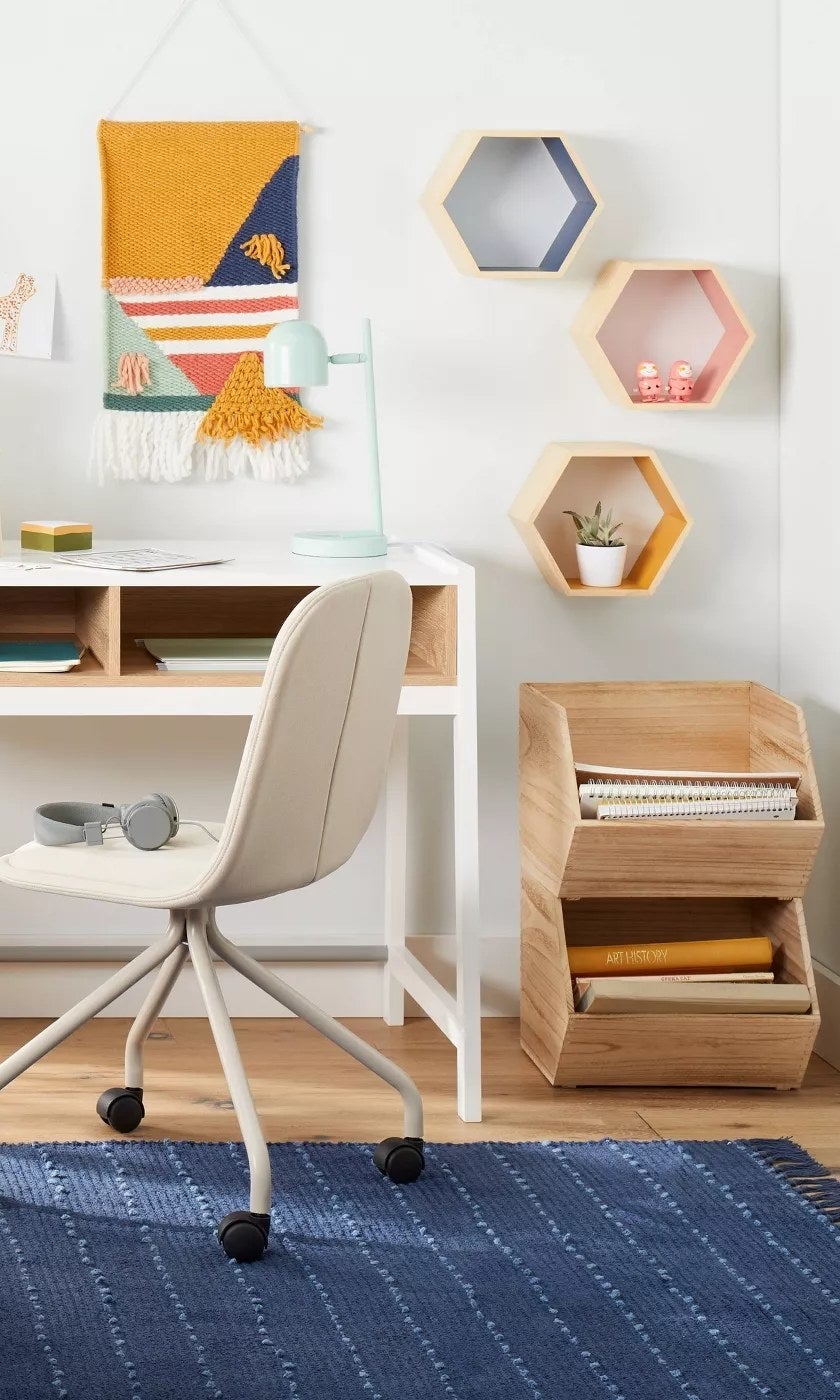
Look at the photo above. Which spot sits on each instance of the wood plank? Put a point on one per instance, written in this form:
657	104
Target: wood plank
779	741
98	625
306	1089
690	858
664	724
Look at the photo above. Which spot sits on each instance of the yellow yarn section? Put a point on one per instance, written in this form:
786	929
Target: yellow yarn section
157	223
246	408
208	332
266	248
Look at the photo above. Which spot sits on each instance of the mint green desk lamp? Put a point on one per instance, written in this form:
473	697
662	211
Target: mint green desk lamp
295	356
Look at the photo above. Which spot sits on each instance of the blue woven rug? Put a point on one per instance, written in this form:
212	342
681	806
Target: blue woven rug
706	1271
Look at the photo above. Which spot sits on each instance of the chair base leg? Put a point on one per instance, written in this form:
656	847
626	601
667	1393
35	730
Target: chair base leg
91	1005
242	1234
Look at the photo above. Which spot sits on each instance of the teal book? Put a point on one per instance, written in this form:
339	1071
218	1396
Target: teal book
39	656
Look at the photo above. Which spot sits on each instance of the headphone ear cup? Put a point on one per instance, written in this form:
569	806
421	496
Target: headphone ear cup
168	805
147	824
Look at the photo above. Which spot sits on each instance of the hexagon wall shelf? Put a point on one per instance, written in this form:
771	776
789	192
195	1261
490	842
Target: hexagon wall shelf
511	203
662	311
624	476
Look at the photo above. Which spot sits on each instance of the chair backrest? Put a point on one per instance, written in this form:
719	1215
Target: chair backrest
318	747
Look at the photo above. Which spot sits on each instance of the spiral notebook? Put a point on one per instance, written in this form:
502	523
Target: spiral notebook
618	794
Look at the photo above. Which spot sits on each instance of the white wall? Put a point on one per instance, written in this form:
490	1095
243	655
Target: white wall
678	125
810	440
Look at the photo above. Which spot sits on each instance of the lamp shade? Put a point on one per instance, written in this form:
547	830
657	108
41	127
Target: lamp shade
295	356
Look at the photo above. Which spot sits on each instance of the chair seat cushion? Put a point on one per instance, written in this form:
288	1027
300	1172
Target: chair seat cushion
116	871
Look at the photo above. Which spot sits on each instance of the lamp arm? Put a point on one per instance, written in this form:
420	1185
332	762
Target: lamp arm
366	359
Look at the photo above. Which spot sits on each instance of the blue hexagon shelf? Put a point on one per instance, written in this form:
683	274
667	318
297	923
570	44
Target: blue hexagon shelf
511	203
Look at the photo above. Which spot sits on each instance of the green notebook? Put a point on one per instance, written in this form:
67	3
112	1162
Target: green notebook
39	656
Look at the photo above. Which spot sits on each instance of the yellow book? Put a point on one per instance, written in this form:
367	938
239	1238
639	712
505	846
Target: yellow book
702	955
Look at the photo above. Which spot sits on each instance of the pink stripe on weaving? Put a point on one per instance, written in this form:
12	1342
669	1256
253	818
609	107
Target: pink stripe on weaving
207	372
128	286
207	308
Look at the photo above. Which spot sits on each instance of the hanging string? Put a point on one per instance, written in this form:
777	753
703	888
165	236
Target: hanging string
169	30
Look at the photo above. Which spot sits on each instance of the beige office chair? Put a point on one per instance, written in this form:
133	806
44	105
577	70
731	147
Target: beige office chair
308	785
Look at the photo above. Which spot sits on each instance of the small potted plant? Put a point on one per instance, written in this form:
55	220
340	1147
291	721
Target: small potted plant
600	555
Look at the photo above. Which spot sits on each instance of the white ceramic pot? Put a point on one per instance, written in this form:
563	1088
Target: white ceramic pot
601	565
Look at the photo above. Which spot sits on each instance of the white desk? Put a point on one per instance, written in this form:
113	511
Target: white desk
254	593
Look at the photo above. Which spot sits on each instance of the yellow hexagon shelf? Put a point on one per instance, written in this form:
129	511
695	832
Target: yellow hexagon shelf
662	312
511	203
628	479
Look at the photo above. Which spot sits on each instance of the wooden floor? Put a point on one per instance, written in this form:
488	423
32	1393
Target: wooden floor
306	1089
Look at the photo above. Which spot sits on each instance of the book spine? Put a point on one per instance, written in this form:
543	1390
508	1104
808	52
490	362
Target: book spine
704	955
583	983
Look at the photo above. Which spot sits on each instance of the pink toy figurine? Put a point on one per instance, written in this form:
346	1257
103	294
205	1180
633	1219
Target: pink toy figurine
648	380
681	381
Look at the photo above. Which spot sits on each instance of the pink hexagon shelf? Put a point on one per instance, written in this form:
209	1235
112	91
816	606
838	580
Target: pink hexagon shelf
511	203
662	311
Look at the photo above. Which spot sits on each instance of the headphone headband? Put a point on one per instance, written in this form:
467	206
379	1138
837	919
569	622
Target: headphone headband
147	824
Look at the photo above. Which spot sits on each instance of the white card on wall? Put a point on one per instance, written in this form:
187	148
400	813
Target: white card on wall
27	308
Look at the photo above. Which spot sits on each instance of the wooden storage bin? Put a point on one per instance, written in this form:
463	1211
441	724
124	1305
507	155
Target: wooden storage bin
738	726
577	1049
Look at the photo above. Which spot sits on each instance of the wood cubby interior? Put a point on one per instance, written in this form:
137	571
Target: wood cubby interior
662	311
707	727
629	480
109	620
85	615
745	1049
511	203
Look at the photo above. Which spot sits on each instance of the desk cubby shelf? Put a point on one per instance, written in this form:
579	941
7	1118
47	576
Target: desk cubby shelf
662	311
511	203
627	478
585	881
109	620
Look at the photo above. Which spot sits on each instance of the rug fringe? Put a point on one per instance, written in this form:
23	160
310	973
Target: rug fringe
801	1171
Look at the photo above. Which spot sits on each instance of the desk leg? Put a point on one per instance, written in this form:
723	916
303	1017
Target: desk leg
468	959
396	846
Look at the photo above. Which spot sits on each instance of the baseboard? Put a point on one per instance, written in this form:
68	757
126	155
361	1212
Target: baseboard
828	996
46	987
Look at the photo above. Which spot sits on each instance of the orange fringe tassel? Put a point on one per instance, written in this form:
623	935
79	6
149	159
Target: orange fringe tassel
266	249
246	408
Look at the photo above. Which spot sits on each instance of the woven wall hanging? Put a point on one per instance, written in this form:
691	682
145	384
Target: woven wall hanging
199	261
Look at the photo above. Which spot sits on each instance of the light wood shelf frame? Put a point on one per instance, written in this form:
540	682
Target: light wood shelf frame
585	881
539	526
623	312
108	620
469	148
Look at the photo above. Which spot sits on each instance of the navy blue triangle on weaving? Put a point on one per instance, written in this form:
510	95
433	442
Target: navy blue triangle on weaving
275	211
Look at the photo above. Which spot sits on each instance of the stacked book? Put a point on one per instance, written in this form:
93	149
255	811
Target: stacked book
189	655
621	794
41	658
682	978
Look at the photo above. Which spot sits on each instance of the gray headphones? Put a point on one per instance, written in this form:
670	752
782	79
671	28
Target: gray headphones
147	824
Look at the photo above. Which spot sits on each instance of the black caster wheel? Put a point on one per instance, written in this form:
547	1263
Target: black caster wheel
400	1159
121	1109
244	1236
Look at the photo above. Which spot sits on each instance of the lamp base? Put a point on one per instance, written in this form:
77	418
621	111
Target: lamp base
340	544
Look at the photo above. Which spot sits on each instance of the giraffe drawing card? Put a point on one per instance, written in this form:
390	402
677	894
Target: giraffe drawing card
27	308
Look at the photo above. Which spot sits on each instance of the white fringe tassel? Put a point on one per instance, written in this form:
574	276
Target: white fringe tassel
143	446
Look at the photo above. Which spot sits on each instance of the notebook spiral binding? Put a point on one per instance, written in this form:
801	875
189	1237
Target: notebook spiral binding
696	807
635	789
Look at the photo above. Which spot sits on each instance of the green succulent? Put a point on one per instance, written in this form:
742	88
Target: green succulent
596	528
